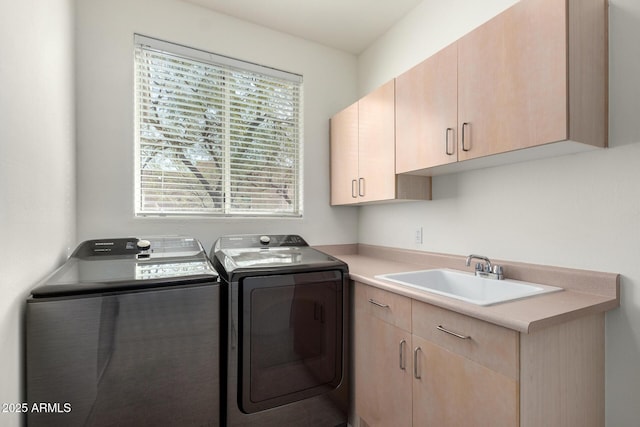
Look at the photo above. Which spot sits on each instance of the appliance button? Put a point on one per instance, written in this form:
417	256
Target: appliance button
143	245
265	240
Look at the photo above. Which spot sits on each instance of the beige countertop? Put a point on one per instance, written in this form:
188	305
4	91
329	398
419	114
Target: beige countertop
584	292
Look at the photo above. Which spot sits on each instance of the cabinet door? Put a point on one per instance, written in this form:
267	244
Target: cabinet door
426	113
512	80
454	391
382	368
377	177
344	156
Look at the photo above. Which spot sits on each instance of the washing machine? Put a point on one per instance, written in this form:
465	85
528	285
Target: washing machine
287	335
126	333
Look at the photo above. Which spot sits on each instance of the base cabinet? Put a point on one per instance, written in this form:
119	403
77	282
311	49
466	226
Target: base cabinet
416	364
383	397
382	348
466	370
451	390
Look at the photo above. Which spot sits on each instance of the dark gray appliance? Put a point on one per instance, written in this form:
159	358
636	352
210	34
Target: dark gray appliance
126	333
287	332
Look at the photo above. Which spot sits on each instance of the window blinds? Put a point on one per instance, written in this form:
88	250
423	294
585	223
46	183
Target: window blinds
214	135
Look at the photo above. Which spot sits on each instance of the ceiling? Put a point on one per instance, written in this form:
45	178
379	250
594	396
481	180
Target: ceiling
349	25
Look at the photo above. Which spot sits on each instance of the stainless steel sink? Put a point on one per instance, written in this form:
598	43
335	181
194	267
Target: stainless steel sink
468	287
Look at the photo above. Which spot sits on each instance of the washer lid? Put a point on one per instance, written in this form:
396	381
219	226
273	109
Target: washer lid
272	257
106	265
268	254
246	241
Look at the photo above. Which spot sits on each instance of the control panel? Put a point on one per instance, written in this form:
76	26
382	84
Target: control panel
153	247
259	241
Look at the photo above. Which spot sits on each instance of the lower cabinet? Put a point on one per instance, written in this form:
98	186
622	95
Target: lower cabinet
416	364
466	370
382	352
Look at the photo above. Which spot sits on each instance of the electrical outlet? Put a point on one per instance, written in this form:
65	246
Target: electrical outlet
418	235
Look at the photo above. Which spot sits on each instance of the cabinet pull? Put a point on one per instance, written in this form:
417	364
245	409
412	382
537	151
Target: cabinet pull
361	187
379	304
416	375
462	337
464	125
403	365
446	142
354	183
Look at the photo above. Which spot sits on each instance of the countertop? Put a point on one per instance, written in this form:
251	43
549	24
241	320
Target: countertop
584	292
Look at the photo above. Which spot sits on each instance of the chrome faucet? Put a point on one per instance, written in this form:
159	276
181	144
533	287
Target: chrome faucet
486	270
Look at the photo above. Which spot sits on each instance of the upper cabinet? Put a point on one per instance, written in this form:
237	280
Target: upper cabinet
513	80
426	113
534	75
363	154
376	145
530	83
344	156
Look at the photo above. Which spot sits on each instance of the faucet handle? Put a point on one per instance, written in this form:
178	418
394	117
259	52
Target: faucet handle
479	266
498	270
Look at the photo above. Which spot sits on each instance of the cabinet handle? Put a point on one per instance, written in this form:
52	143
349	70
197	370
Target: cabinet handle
446	142
402	363
416	375
464	125
353	188
379	304
361	187
462	337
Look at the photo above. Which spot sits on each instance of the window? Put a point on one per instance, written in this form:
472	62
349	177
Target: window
214	135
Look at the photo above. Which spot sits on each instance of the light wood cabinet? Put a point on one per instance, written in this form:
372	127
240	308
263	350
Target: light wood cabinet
344	156
426	112
363	150
454	391
376	145
382	354
472	375
534	76
461	371
513	80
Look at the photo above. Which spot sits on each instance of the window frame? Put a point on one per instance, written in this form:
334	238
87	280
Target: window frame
231	65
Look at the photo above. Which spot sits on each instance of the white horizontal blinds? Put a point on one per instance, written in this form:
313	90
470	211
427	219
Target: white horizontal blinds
180	115
213	138
264	144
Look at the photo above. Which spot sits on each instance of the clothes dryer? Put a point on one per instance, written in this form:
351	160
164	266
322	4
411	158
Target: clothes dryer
286	332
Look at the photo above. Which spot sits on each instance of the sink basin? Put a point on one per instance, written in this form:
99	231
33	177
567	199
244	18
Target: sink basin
467	286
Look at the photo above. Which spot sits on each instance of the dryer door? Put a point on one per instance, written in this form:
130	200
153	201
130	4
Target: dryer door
291	347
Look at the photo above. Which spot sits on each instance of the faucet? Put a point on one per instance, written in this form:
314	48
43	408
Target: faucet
486	270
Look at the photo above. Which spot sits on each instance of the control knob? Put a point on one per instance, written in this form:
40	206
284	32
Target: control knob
265	240
143	245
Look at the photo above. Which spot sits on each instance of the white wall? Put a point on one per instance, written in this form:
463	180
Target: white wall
431	26
580	211
105	115
37	165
